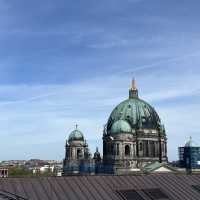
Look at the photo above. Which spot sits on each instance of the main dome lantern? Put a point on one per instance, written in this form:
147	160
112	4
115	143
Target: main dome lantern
134	111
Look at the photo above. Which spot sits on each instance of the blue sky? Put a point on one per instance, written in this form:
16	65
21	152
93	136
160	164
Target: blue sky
66	62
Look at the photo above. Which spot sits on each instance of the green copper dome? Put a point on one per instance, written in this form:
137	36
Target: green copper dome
76	135
135	113
121	126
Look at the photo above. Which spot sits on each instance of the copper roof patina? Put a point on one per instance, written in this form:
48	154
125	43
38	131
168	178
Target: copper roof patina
76	135
136	112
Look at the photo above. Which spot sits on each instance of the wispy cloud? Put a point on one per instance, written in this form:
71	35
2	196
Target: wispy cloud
51	116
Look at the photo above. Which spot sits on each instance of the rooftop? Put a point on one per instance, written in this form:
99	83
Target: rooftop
107	187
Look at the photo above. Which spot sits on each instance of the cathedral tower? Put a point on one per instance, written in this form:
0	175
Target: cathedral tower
77	156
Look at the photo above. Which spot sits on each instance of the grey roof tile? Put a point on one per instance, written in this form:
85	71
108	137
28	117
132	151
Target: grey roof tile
176	187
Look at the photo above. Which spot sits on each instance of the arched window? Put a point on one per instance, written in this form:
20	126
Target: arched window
146	148
117	151
165	148
140	146
112	149
127	150
104	148
79	154
157	148
108	149
162	147
71	152
153	149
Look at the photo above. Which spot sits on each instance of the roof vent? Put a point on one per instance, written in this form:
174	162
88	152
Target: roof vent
156	194
196	187
130	194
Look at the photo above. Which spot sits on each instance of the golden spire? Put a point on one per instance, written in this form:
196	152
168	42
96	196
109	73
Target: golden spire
133	85
133	92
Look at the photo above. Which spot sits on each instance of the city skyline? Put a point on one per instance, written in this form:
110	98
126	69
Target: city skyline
70	63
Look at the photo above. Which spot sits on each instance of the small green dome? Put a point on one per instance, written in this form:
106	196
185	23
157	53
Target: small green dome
76	135
121	126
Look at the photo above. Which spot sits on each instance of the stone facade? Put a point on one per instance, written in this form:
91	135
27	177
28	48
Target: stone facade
133	151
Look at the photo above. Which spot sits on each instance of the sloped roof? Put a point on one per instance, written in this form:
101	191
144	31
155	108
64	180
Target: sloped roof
156	165
107	187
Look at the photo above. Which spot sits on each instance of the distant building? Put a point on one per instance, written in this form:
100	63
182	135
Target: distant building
3	172
32	163
13	163
44	169
189	156
53	167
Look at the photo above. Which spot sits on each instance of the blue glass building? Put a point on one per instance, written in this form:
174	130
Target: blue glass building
189	156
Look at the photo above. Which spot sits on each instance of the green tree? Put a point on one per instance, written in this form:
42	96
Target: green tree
19	171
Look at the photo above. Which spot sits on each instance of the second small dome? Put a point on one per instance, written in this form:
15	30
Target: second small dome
121	126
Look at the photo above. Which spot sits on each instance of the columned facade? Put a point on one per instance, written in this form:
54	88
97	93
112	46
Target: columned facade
3	173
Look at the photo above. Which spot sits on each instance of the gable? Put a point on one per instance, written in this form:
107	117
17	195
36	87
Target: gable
162	169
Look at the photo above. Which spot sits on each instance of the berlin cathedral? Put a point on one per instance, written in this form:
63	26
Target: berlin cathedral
132	138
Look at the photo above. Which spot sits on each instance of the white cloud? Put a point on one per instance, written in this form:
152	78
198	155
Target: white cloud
45	114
